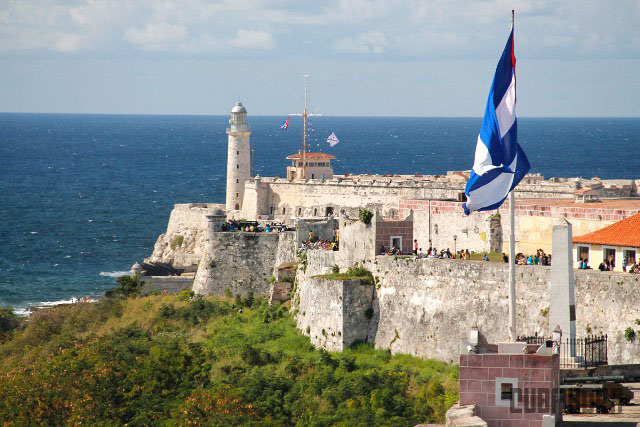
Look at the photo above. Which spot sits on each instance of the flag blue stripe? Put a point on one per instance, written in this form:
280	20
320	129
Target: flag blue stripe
490	189
504	73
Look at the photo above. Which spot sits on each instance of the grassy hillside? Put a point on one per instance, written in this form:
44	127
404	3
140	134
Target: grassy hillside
179	360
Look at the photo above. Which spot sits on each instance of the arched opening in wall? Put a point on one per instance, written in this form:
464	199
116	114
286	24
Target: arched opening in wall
328	211
315	211
313	176
284	210
271	211
299	211
237	207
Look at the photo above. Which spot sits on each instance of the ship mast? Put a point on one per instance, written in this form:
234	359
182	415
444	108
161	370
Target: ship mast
304	129
305	116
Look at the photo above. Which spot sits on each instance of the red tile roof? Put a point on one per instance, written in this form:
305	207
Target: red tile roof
623	233
311	156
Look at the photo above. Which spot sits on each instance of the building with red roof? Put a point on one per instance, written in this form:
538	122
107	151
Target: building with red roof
617	242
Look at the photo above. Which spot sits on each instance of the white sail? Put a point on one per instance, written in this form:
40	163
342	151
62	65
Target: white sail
333	139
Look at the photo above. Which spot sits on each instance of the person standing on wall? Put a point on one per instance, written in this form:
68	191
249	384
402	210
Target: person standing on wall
415	246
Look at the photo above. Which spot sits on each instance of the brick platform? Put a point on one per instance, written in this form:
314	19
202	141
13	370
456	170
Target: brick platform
535	379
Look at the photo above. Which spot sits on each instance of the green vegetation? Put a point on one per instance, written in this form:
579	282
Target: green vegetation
493	256
630	334
365	216
177	241
128	286
178	360
357	272
335	269
8	323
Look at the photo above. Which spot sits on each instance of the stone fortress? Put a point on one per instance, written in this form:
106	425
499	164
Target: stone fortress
416	306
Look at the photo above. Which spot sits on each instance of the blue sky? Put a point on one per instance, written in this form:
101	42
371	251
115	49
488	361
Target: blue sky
377	57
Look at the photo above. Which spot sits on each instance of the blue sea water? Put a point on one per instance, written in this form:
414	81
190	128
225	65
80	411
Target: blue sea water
85	196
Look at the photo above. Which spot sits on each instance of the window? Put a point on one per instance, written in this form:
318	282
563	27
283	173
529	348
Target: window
237	181
315	211
313	176
271	211
506	392
583	252
630	255
284	210
237	207
328	211
237	194
237	166
299	211
237	153
609	254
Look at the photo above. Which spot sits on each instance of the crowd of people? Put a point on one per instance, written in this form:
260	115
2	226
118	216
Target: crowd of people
540	258
324	245
609	264
314	243
253	226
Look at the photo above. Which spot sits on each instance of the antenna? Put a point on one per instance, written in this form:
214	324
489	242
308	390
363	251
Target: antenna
304	128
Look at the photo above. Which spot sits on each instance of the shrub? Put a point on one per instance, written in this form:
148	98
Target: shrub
8	322
365	216
185	294
630	334
335	269
128	286
208	365
176	241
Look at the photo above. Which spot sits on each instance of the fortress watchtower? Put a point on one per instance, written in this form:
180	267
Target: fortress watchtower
238	156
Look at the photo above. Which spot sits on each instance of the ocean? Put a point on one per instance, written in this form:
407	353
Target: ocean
82	197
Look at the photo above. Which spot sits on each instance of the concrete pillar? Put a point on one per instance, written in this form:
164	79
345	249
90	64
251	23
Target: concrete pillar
215	222
562	310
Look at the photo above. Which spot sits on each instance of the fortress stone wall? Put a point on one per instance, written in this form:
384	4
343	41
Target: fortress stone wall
281	199
439	221
418	306
242	262
422	307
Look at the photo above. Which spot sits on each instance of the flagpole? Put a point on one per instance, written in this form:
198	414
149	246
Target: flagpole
512	257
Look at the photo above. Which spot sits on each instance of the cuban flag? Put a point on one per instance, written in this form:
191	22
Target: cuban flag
500	163
285	125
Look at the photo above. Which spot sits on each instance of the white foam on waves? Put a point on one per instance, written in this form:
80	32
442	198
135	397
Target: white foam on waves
114	273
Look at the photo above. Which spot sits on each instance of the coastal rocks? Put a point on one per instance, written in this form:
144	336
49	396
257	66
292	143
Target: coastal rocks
182	246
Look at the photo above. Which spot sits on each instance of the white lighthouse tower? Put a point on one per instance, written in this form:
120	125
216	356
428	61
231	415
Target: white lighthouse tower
238	156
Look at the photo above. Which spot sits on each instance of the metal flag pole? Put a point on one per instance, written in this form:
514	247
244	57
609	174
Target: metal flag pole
512	257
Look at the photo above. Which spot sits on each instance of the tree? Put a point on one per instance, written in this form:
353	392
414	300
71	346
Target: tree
128	286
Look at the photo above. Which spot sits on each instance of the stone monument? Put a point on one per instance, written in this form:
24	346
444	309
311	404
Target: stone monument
562	309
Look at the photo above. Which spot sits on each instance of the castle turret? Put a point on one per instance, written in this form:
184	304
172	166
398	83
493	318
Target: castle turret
238	156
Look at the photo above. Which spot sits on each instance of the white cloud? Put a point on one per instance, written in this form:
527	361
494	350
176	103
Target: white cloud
250	39
369	42
157	37
70	42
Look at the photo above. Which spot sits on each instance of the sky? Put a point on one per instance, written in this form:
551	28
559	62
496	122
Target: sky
365	57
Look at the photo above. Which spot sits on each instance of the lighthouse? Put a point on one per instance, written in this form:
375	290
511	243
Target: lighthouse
238	156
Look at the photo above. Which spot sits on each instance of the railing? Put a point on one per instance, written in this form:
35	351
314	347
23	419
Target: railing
584	352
